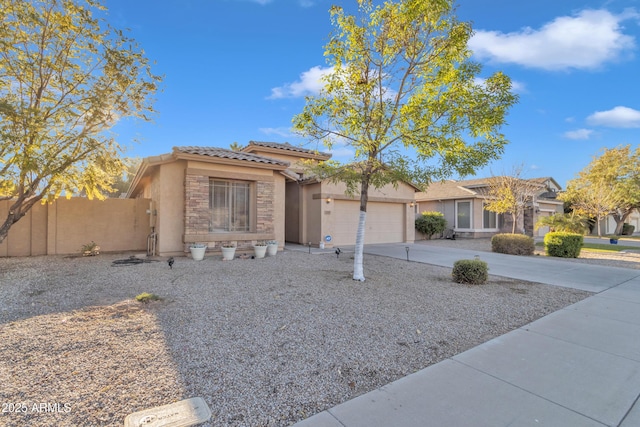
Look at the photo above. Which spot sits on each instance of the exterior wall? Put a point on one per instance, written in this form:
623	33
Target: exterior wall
268	195
167	193
63	226
449	209
323	207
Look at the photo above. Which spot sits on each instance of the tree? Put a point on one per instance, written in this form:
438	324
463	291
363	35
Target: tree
66	77
511	194
564	222
235	146
609	185
123	181
403	94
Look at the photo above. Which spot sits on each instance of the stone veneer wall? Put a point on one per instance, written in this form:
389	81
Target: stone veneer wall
197	210
196	216
265	206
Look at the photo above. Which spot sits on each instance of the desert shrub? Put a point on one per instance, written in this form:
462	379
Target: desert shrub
569	223
470	271
627	229
145	297
513	244
430	223
564	245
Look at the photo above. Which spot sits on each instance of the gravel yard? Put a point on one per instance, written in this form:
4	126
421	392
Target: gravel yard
265	342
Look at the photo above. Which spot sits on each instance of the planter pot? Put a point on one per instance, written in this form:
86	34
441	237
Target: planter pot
272	249
197	252
228	253
260	251
613	241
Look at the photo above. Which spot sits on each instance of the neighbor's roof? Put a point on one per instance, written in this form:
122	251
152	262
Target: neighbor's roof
287	147
228	154
451	189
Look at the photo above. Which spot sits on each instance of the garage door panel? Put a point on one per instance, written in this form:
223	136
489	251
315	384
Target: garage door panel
384	223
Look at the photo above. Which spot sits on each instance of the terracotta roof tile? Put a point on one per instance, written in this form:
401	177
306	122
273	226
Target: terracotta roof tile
229	154
288	147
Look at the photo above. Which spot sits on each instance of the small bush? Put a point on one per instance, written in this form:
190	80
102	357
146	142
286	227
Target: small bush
570	223
471	271
564	245
431	223
513	244
627	229
145	297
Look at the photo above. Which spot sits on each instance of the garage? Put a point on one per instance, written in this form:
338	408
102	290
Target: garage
385	222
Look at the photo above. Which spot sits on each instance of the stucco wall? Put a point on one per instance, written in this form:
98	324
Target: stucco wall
63	226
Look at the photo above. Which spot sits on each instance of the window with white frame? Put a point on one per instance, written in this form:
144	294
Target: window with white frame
463	214
489	219
230	206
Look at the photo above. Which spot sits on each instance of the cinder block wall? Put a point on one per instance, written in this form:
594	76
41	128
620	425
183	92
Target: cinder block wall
63	226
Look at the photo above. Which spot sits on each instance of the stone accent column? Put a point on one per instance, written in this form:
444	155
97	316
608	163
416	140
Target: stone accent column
196	204
265	193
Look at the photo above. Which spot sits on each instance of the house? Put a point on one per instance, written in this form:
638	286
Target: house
463	205
213	195
608	225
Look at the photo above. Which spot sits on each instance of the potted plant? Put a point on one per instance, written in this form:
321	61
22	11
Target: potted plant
228	251
197	251
260	249
272	247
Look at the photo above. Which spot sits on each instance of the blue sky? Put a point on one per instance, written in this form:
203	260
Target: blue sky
238	70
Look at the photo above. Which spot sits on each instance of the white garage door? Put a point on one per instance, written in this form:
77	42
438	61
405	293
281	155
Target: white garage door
385	222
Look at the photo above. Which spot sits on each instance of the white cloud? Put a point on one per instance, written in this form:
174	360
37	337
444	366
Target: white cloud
578	134
584	41
618	117
310	83
283	132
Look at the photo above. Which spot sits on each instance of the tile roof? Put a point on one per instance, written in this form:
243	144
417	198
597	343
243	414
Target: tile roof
288	147
229	154
451	189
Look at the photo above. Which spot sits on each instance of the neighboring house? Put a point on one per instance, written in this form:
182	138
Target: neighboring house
608	225
463	206
213	195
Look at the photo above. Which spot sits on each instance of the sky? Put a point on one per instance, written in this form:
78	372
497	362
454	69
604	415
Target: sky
238	70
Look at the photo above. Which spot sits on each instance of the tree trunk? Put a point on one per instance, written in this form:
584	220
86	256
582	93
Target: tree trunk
358	268
17	210
514	220
620	219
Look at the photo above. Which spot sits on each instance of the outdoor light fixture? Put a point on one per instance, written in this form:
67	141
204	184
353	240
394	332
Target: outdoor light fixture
328	199
406	248
411	204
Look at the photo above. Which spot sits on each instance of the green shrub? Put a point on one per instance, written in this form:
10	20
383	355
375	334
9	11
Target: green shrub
513	244
431	223
471	271
564	245
570	223
145	297
627	229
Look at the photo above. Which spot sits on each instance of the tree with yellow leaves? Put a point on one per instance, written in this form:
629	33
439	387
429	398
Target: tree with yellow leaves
66	78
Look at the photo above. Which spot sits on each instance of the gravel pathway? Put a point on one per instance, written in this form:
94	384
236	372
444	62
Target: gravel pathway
265	342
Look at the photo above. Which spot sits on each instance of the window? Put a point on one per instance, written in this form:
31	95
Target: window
489	219
229	203
463	216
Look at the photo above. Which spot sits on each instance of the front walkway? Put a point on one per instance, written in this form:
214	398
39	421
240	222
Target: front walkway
579	366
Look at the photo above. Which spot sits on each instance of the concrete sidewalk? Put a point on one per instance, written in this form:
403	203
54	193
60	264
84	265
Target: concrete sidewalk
579	366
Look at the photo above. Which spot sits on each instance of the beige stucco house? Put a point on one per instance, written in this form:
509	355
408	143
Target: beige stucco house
213	195
463	202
